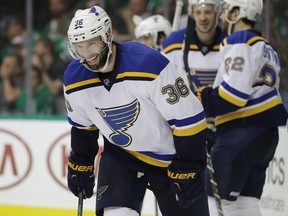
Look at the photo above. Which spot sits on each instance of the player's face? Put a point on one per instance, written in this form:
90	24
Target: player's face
93	51
147	40
205	17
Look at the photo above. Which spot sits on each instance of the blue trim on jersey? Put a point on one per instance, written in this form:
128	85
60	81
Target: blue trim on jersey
246	36
71	122
188	121
262	98
189	126
234	91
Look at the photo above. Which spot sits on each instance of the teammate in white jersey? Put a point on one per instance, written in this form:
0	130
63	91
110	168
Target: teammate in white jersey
247	107
153	126
153	30
203	42
195	49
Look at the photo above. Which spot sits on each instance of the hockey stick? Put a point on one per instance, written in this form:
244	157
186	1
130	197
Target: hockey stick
188	37
177	15
214	184
80	203
191	72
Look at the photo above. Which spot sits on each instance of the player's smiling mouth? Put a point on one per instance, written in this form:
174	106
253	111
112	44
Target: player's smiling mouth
92	60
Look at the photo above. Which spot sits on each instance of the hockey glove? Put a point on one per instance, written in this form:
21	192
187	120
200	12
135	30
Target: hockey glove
80	175
187	182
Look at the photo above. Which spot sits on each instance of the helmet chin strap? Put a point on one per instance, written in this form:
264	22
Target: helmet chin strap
230	23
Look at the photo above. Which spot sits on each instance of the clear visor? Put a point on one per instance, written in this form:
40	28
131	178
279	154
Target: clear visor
90	48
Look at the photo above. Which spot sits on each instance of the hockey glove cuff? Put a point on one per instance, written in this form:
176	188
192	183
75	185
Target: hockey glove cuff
187	182
80	175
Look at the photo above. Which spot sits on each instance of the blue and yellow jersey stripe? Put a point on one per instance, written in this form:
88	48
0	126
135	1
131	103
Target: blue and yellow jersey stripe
129	75
246	37
146	67
232	95
189	126
82	85
87	128
252	107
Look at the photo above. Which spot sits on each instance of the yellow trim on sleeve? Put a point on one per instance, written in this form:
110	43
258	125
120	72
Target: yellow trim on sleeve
192	130
231	99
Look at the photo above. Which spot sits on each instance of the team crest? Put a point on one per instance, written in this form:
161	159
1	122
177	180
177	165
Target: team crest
119	119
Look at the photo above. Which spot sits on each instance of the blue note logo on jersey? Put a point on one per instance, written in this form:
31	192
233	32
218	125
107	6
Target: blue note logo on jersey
119	119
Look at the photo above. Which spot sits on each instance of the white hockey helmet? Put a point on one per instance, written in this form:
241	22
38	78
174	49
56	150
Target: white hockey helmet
87	24
216	3
249	9
152	26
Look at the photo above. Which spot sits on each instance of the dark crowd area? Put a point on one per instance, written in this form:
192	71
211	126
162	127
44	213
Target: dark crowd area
50	57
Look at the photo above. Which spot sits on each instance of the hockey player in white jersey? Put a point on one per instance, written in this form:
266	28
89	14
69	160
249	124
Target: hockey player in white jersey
203	42
153	30
247	107
195	49
153	126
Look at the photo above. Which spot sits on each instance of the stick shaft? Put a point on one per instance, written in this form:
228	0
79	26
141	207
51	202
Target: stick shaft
80	203
214	184
177	15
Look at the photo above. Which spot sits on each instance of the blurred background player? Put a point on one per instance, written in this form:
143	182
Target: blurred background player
153	126
195	49
203	56
153	30
247	107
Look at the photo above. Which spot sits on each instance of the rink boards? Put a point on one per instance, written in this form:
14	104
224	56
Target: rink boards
33	167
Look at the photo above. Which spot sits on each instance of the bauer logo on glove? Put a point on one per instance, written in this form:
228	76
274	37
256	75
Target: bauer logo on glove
177	175
80	175
80	168
187	182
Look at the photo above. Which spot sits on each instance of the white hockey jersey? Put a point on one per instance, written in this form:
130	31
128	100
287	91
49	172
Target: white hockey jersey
248	80
142	107
202	59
